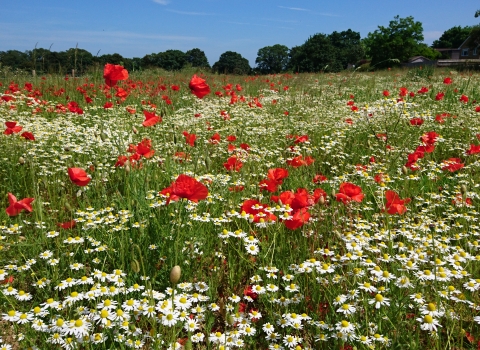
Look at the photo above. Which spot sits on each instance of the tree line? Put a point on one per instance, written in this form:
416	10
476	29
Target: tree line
385	47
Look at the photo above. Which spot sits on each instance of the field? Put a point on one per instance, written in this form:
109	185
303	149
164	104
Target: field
295	211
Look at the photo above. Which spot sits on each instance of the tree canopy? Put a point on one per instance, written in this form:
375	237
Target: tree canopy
399	41
197	58
452	38
231	63
272	59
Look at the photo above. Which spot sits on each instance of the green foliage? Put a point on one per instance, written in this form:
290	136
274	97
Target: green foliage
400	40
197	58
272	59
231	63
452	38
172	60
426	51
330	53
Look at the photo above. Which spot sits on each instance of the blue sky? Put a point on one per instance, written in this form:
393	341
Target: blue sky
136	28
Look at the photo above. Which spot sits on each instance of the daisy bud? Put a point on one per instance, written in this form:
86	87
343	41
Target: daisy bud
404	170
135	266
134	129
175	274
463	189
66	149
21	160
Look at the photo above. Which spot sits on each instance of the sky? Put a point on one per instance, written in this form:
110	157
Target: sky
141	27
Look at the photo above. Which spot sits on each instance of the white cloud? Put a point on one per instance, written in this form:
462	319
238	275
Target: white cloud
191	13
161	2
293	8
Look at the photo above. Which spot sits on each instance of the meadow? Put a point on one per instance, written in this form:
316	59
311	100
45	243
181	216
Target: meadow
293	211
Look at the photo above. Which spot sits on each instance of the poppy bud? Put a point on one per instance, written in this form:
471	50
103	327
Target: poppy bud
404	170
134	129
135	266
104	136
21	160
463	189
175	274
322	200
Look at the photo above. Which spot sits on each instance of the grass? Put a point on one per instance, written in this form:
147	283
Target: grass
288	266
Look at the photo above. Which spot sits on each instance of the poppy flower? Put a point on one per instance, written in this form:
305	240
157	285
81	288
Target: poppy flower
474	149
423	90
233	164
12	128
386	93
28	135
439	96
67	225
121	160
144	148
447	81
452	164
464	99
429	138
78	176
175	87
394	204
416	121
349	192
16	207
190	138
319	178
403	92
151	119
298	219
186	187
199	87
215	139
113	73
108	105
299	161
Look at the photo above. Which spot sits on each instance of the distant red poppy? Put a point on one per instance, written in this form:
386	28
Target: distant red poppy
447	81
12	128
403	92
67	225
121	160
394	204
151	119
440	96
477	109
190	138
452	164
474	149
215	139
429	138
423	90
233	164
144	148
386	93
16	207
349	192
108	105
113	73
186	187
175	87
319	178
28	135
78	176
464	99
299	161
199	87
416	121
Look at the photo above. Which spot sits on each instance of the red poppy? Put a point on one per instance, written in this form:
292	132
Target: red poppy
245	146
121	160
452	164
199	87
394	204
144	148
269	185
28	135
301	139
186	187
319	178
151	119
416	121
231	138
233	164
215	139
190	138
12	127
429	138
379	178
458	200
464	99
423	90
474	149
108	105
16	207
299	161
67	225
277	174
298	219
403	92
78	176
440	96
447	81
175	87
477	109
113	73
74	107
349	192
386	93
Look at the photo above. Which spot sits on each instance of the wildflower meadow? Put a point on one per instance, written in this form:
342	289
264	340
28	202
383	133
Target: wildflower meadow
189	210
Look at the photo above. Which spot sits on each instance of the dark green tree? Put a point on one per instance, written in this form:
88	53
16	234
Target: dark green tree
197	58
115	58
150	61
399	41
272	59
15	59
315	55
172	60
452	38
231	63
348	45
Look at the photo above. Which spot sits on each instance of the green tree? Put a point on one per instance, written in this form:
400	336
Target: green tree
15	59
172	60
315	55
348	45
399	41
272	59
197	58
452	38
231	63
